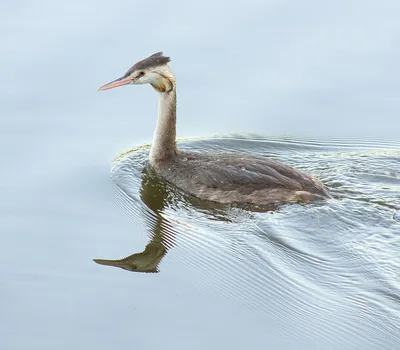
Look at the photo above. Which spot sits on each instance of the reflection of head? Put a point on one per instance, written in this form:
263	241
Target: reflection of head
146	261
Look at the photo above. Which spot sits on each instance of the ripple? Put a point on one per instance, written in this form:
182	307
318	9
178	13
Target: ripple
329	270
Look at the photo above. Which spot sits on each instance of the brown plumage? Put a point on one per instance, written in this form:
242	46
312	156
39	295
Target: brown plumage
225	177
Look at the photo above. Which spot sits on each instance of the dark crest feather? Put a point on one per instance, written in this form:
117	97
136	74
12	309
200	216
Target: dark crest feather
157	59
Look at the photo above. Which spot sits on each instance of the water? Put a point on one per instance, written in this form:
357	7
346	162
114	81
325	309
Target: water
326	270
321	276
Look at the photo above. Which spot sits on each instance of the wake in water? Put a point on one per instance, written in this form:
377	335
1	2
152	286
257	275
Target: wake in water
330	270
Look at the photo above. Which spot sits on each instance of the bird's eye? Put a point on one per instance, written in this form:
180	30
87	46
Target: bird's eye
141	74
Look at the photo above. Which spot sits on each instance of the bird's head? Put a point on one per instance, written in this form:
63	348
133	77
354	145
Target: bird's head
152	70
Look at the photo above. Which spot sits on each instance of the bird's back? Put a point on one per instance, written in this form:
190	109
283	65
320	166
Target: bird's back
239	178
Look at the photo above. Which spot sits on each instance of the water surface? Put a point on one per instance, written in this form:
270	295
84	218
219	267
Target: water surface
323	275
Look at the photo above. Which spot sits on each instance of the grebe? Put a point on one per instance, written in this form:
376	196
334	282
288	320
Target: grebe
223	177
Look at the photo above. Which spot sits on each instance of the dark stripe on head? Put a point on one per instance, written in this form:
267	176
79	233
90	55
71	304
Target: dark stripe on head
154	60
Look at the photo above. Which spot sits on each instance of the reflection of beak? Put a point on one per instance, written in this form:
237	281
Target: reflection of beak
126	264
117	263
146	261
117	82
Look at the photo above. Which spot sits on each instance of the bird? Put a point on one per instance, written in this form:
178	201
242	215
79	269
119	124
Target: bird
223	177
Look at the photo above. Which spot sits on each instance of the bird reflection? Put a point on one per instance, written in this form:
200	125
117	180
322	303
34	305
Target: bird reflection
156	195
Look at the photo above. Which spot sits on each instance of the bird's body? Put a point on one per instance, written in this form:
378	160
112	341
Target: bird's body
222	177
238	178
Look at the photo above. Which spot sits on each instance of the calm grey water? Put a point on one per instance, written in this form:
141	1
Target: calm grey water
319	276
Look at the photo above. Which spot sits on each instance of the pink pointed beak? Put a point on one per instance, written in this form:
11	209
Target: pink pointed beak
116	83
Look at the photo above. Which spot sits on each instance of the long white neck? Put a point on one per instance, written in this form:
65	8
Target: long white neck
163	147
